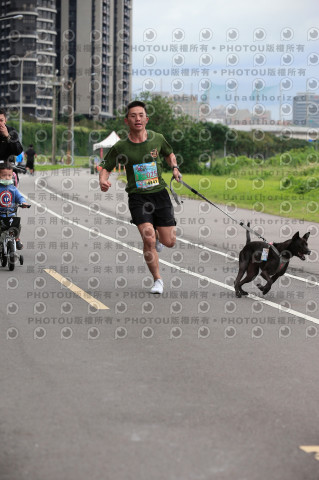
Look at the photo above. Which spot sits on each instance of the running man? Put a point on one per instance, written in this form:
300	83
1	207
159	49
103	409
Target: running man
149	202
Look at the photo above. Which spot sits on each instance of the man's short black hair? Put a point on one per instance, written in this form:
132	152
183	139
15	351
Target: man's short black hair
3	111
135	103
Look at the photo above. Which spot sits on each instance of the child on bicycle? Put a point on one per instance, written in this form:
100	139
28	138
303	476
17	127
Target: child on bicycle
9	195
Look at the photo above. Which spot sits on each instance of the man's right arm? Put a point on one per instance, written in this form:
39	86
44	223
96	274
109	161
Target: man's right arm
14	143
107	165
104	180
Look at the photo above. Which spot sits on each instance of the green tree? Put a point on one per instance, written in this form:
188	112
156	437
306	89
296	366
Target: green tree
218	133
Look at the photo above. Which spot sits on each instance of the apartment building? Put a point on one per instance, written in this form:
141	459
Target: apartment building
49	45
27	56
95	54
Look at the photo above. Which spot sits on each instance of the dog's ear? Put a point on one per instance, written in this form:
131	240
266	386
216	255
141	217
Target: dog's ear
296	235
306	235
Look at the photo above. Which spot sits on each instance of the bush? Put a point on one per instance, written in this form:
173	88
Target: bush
303	186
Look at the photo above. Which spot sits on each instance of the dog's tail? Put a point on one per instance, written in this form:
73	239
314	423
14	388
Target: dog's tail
248	234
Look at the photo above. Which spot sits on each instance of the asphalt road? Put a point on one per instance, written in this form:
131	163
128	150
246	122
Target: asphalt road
111	382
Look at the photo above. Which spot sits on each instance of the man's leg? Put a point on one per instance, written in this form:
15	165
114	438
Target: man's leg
150	254
167	236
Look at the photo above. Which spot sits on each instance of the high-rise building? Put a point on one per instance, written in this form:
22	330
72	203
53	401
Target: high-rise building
95	54
27	56
85	44
306	110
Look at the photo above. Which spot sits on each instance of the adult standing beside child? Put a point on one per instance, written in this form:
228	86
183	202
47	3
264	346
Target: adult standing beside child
9	138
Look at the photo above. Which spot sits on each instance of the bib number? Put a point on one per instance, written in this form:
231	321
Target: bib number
146	175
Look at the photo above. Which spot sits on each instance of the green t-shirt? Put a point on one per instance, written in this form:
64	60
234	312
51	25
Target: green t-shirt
143	162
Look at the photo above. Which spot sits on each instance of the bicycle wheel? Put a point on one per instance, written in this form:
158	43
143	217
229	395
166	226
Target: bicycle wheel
3	257
11	255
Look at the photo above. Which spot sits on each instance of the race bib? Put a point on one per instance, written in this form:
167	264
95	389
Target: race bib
146	175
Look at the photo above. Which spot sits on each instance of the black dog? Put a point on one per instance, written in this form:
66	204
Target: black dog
259	255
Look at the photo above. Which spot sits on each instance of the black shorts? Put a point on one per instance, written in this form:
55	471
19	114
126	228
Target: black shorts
30	164
155	208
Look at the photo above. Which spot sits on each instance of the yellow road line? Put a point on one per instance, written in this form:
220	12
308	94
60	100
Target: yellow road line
311	449
77	290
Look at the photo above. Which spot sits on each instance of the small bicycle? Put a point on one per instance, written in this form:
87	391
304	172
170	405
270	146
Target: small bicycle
9	230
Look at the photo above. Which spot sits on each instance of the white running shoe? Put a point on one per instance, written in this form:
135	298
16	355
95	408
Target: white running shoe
158	286
158	246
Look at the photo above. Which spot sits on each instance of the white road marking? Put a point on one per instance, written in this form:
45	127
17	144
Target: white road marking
184	270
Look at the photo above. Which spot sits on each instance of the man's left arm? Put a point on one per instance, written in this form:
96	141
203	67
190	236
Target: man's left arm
172	162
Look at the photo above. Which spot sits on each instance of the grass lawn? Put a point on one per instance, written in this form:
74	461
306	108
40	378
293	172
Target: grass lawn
261	195
42	164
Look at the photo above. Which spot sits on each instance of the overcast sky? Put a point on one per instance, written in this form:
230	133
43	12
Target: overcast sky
186	46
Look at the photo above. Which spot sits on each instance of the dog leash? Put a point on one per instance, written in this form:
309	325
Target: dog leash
242	224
